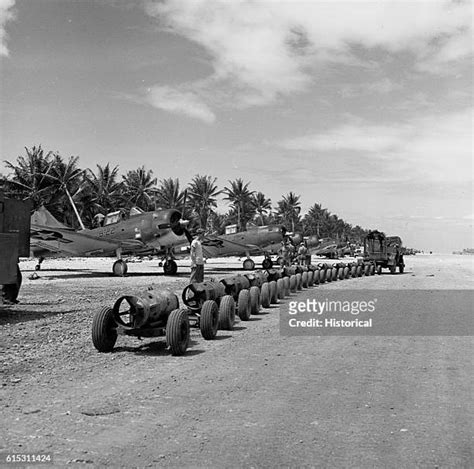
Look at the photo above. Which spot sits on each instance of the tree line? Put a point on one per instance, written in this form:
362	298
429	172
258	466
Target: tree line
52	181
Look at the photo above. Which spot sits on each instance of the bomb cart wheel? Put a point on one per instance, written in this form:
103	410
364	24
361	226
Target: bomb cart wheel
104	330
372	269
286	283
209	321
265	295
310	278
170	267
280	289
227	313
379	270
243	305
248	264
316	277
177	331
293	283
267	263
353	271
341	273
347	272
120	268
393	269
367	270
299	282
359	271
334	274
304	279
254	300
273	292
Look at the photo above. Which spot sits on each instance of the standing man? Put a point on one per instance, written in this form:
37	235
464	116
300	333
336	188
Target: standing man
197	258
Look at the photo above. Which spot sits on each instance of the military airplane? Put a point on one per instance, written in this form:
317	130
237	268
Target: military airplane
256	240
137	232
331	248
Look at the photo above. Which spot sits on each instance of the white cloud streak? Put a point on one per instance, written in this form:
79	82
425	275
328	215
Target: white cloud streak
180	102
6	15
270	48
437	147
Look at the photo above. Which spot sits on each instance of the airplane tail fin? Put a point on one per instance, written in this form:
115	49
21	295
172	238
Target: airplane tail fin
43	217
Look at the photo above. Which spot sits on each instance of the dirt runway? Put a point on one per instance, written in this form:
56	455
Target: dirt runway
250	398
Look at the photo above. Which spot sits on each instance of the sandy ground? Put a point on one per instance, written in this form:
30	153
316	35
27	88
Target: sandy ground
250	398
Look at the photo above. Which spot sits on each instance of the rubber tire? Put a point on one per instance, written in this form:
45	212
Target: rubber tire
227	313
293	283
177	331
299	281
104	332
280	289
265	295
372	269
243	305
367	270
286	282
310	278
273	292
322	276
359	271
354	271
341	274
304	279
334	274
170	267
347	272
248	264
267	264
316	277
119	268
393	269
254	293
209	322
379	270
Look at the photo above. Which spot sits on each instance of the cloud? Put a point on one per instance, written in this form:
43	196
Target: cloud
6	14
436	147
180	102
263	50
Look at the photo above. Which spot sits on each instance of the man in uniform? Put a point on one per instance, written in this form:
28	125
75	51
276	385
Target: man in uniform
197	258
302	251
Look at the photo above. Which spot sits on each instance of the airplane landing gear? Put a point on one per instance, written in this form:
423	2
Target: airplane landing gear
119	268
170	267
248	264
38	265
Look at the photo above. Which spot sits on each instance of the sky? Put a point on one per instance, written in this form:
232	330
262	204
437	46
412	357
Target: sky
364	107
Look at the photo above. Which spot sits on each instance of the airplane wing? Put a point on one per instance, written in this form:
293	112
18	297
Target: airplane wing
216	246
75	243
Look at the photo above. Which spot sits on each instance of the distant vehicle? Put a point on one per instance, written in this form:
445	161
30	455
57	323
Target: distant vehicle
14	243
139	233
385	251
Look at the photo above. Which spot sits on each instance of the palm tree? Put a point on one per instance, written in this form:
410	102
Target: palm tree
289	209
28	179
241	198
105	191
261	205
65	177
168	195
139	188
202	197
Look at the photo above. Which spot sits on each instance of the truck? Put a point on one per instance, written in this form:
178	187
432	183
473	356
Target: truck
385	251
14	243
